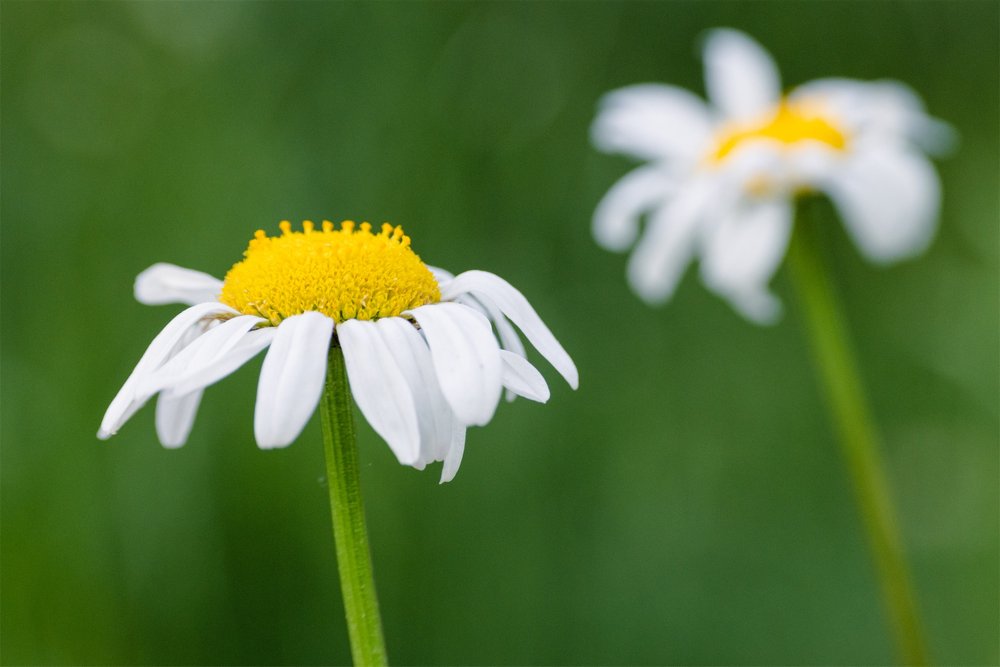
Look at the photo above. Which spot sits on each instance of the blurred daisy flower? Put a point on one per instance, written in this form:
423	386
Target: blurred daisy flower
722	177
418	343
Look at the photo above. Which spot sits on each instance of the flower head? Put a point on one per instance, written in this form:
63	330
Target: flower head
722	177
421	356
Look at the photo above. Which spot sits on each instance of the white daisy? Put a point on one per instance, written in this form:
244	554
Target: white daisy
422	360
722	177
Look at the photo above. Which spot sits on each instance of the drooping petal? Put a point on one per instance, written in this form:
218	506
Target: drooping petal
743	251
206	350
223	365
291	379
509	340
127	401
653	122
488	287
466	358
616	218
889	197
175	417
413	357
667	247
380	388
741	77
455	452
520	377
168	283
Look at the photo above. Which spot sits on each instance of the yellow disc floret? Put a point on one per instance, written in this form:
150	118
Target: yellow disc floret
346	273
791	123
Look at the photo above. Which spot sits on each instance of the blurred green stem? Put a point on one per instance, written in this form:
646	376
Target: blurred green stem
354	560
841	383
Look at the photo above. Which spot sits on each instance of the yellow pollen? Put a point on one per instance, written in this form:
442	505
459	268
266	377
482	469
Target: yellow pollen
791	123
345	274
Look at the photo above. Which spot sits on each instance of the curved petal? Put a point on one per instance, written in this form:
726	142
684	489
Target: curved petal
486	286
520	377
205	350
668	246
509	340
743	252
223	365
466	358
652	122
455	452
413	357
168	283
889	197
616	218
127	401
380	388
291	379
175	417
740	76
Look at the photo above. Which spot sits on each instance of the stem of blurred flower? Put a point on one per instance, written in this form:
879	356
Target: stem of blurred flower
838	374
354	559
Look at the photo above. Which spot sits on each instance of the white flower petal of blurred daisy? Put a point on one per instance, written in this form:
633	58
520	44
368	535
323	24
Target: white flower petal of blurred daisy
743	253
722	177
880	108
419	349
889	197
741	77
652	121
616	219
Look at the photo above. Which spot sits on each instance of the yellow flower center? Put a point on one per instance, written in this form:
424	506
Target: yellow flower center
345	274
790	123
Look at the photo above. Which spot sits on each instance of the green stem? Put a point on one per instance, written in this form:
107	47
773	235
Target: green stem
354	559
841	382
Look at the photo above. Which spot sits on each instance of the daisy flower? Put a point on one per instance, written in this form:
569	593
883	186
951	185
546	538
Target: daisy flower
722	176
422	359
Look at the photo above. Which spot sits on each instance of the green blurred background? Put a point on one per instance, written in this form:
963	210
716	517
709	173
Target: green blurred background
686	505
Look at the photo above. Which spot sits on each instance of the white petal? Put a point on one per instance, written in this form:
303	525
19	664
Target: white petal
380	388
886	108
742	253
246	349
291	379
740	76
127	401
616	218
207	349
466	358
667	248
522	378
455	452
413	357
488	287
889	196
509	340
168	283
652	121
175	417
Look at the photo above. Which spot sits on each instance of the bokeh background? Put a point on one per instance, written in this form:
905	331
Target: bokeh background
686	506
